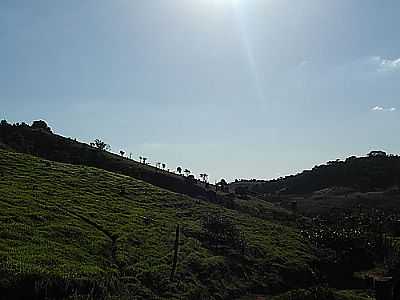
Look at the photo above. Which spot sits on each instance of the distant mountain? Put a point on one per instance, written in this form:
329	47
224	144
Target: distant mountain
376	171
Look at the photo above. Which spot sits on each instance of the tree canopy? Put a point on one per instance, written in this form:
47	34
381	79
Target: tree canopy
41	125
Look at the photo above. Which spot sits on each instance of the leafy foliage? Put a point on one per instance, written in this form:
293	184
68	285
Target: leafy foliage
99	144
41	125
221	231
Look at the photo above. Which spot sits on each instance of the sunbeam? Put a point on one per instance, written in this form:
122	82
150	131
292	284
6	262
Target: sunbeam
248	50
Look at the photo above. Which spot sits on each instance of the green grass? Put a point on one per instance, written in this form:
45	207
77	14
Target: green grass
73	227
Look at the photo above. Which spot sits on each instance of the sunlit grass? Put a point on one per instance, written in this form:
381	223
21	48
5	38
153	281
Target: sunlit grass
72	223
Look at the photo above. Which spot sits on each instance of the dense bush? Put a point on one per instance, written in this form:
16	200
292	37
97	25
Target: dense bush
221	232
41	125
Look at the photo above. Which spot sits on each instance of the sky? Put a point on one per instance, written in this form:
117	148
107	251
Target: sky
233	88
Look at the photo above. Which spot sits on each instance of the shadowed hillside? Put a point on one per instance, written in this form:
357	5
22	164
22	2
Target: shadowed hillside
377	171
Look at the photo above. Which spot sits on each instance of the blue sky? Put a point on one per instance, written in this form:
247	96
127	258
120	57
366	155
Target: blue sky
233	88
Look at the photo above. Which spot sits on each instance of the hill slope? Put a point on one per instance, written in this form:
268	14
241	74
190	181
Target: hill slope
68	229
43	143
375	172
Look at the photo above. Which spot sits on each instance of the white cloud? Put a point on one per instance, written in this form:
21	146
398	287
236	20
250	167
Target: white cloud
380	108
385	65
304	63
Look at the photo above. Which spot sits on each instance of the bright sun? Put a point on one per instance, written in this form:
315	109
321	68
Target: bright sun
221	3
210	8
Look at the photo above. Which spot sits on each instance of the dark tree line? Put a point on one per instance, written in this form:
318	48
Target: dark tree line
375	171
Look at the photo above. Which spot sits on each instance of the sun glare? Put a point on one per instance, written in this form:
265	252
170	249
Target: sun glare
221	3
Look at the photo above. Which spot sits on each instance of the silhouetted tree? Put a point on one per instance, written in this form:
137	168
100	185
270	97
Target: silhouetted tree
41	125
204	176
187	172
179	170
377	154
163	166
99	144
140	158
158	165
222	184
190	179
122	153
144	159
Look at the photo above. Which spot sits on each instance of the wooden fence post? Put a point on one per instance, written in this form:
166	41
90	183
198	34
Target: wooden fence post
176	250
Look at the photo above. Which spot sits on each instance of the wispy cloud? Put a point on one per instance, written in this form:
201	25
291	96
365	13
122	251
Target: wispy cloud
304	63
381	108
384	64
370	67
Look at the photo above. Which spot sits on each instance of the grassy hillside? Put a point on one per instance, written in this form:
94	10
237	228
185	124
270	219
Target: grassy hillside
43	143
68	230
